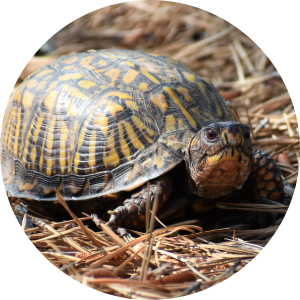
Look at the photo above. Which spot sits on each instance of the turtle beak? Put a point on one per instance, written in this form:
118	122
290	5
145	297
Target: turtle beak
232	135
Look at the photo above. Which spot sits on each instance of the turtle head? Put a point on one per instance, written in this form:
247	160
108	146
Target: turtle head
219	158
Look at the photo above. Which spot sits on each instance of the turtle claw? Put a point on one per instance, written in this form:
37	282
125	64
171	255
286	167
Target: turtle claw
132	213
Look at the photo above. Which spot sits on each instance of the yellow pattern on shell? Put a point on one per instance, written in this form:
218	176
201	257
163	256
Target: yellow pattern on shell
81	136
196	111
151	67
33	154
171	73
52	86
32	83
207	116
158	161
113	74
164	78
185	93
86	84
115	93
219	111
69	68
25	151
73	111
85	62
113	108
170	123
49	145
181	125
145	72
80	141
202	88
74	92
44	72
141	126
160	102
124	147
178	103
92	148
64	136
50	100
36	132
132	175
27	99
70	76
109	55
41	85
150	131
130	76
129	63
225	110
133	137
70	60
50	135
16	144
190	77
131	104
76	162
111	158
102	62
143	86
102	121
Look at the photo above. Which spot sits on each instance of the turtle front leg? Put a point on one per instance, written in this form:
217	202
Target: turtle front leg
132	213
265	177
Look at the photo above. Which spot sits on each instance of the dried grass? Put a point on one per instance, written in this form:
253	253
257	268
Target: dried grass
178	260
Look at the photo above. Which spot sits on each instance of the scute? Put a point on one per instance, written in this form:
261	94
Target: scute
99	122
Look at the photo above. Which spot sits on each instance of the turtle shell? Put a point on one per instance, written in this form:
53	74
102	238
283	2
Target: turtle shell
100	122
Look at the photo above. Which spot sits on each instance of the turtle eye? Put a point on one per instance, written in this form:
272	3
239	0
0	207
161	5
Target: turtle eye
247	135
211	134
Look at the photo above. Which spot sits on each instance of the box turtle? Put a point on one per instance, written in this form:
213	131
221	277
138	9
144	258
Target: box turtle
97	126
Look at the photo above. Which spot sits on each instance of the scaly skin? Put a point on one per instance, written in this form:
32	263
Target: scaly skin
133	213
265	178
